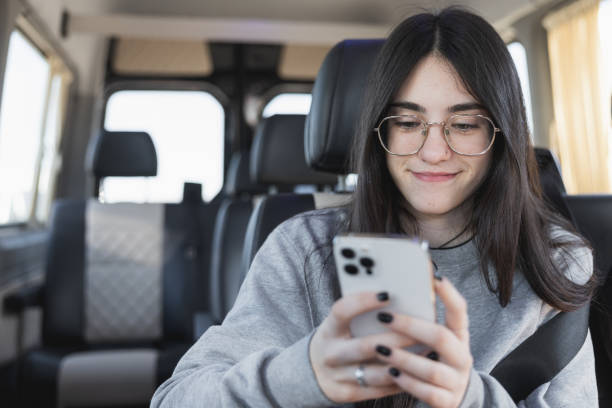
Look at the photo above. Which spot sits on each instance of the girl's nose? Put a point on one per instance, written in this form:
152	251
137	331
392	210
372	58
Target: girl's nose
435	149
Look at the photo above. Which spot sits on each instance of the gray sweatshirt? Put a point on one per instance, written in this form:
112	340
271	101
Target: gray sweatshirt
259	356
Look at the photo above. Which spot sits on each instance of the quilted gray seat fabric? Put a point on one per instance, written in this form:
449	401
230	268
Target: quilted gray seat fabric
123	271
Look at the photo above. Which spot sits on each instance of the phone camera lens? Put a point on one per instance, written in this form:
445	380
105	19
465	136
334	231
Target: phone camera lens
348	253
351	269
366	262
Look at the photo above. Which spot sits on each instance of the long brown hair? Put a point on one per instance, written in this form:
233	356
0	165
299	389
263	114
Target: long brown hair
511	222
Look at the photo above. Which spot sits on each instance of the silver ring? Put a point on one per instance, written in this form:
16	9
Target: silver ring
360	376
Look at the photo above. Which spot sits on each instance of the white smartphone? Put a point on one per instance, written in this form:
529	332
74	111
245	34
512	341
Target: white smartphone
397	265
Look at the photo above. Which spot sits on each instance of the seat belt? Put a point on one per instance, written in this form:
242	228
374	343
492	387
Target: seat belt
539	358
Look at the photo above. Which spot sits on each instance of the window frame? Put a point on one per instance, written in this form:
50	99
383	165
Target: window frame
39	39
164	85
160	85
288	88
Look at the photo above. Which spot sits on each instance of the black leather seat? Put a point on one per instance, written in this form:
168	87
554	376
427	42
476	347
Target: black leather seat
593	215
123	283
553	189
277	158
276	163
226	270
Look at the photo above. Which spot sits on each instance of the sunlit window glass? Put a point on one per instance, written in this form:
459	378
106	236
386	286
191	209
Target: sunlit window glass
351	181
187	128
517	51
288	103
21	116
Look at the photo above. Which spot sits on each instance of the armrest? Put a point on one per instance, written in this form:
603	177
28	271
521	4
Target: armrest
23	298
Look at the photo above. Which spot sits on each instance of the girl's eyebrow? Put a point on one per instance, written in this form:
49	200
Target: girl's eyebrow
408	105
464	107
453	109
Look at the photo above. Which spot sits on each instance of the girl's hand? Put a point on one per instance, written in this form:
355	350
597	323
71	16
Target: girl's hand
441	384
336	356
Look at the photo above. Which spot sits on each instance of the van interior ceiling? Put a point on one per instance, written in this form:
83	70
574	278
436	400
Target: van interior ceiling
164	137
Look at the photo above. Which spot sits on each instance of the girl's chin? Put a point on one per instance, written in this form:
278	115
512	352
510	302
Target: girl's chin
432	211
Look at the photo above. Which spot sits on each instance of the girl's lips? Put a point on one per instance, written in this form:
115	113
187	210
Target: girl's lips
433	176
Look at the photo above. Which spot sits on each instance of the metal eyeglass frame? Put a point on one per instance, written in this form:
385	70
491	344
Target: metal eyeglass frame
425	130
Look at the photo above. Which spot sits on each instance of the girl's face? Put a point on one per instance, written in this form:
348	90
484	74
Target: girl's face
436	181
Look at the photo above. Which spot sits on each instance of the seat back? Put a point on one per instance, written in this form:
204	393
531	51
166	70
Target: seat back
593	215
277	158
64	274
187	235
276	162
226	272
123	273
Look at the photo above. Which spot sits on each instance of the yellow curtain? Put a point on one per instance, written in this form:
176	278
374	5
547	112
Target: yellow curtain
579	133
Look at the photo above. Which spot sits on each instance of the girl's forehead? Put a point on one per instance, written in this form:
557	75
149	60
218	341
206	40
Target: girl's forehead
433	85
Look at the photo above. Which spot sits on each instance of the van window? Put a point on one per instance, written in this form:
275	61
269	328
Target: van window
288	103
187	128
517	51
24	100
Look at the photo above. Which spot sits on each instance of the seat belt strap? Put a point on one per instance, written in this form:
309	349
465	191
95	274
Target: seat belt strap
539	358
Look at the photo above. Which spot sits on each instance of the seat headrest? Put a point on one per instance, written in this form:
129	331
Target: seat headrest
549	165
239	176
551	182
277	155
122	154
336	104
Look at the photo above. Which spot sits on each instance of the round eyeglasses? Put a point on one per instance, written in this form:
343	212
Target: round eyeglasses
467	135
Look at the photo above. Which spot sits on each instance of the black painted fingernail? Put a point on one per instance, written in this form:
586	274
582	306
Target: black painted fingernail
383	296
433	356
438	277
385	317
394	372
385	351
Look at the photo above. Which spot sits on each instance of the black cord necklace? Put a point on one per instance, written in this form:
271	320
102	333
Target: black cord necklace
453	238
